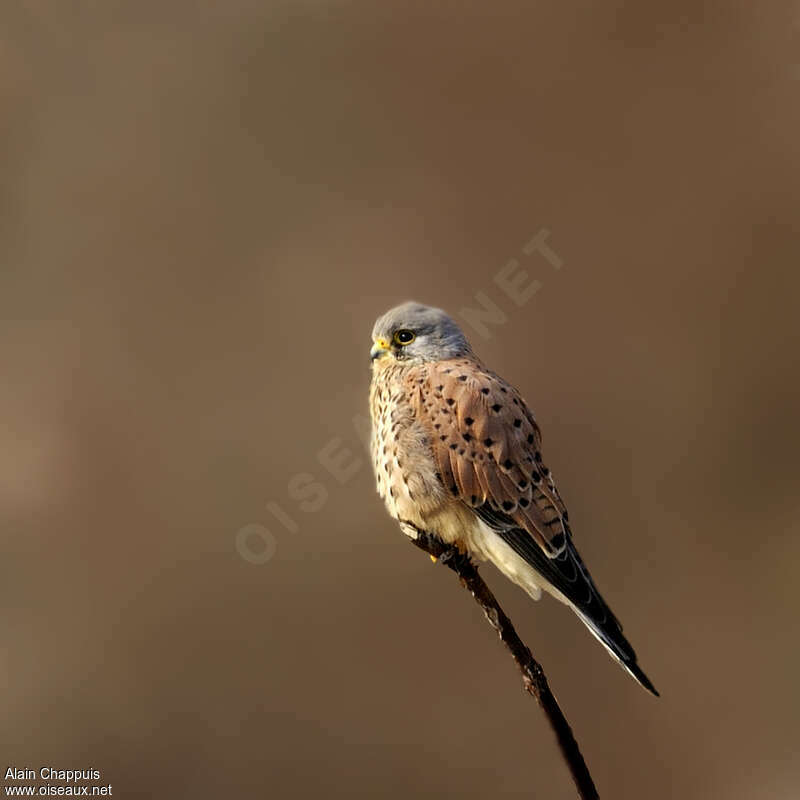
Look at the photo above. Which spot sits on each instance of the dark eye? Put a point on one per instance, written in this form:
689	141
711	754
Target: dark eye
404	337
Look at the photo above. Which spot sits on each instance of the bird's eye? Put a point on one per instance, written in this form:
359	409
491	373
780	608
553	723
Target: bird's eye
404	337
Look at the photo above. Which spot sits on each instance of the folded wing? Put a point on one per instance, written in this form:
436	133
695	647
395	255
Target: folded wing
487	447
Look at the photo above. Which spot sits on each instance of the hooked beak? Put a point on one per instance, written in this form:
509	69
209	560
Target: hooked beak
380	348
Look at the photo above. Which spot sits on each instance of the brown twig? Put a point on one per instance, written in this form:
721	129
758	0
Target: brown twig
533	677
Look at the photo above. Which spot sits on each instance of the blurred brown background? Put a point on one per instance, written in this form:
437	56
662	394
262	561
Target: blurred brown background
203	208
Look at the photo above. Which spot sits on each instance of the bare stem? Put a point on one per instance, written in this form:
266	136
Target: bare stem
533	677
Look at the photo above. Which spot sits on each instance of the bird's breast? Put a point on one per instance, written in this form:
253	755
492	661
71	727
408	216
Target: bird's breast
405	469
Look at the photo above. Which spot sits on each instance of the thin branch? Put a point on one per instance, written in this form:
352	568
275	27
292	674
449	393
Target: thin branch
533	677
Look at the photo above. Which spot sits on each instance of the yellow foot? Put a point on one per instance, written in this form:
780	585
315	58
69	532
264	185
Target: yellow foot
433	558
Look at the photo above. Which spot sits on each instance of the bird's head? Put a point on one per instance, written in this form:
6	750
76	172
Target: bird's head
417	333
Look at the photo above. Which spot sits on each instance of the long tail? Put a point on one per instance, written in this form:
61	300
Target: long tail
571	582
619	648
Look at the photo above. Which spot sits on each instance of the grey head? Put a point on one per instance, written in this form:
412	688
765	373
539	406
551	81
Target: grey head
415	332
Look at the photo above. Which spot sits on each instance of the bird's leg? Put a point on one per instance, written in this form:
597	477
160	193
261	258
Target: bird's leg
413	533
449	554
452	553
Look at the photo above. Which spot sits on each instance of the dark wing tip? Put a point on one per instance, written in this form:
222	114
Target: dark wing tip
636	671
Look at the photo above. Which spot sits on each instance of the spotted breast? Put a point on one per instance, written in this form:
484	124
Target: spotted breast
405	469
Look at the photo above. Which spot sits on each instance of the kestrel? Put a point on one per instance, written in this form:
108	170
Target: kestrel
457	453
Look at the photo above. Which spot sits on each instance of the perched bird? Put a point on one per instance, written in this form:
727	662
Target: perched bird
457	453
